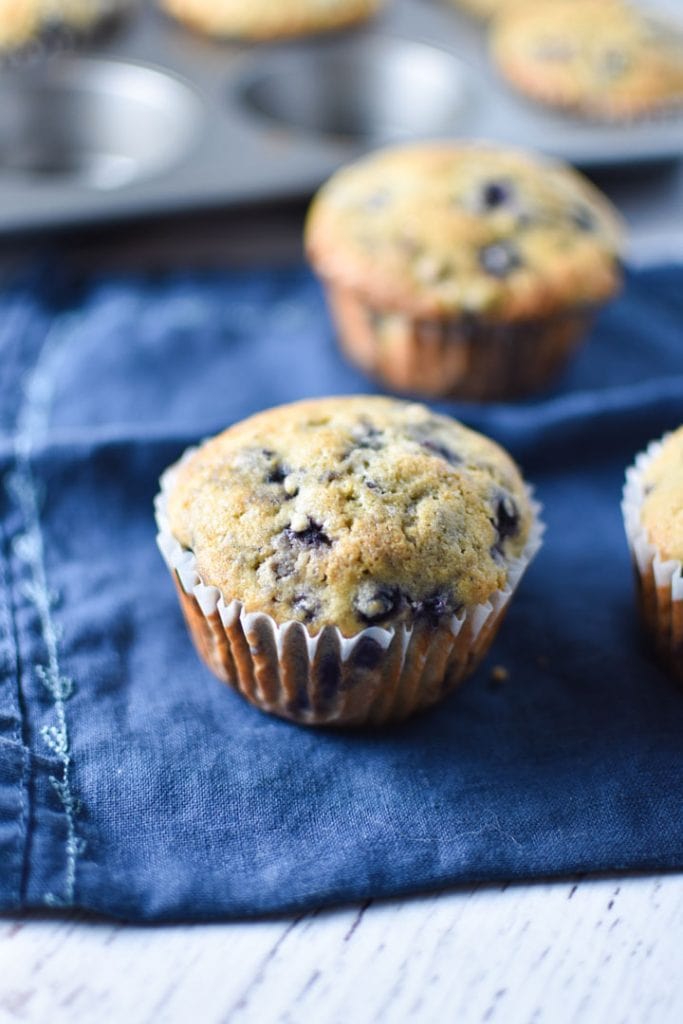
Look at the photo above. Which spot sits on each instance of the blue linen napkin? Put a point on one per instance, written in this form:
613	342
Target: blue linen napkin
133	784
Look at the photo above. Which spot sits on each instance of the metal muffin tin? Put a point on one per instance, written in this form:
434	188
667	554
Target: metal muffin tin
154	119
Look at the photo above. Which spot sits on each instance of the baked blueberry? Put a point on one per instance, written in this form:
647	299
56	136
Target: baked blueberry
497	193
433	608
445	453
500	258
614	63
309	533
305	606
506	521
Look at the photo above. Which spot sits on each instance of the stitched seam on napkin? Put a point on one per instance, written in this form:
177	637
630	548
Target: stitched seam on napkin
10	710
29	549
11	713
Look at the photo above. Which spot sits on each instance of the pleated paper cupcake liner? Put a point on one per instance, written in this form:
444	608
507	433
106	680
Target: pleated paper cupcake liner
377	676
459	357
659	582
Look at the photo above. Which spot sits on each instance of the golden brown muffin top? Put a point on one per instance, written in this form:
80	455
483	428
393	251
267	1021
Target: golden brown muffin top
662	511
265	19
351	512
602	58
447	229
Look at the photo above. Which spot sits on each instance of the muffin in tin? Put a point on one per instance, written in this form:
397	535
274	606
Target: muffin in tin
269	19
463	269
346	560
601	59
653	517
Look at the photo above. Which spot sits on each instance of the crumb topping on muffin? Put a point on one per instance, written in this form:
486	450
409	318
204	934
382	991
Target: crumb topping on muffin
603	58
447	229
662	510
264	19
351	512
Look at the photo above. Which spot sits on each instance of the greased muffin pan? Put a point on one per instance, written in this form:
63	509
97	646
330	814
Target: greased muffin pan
154	119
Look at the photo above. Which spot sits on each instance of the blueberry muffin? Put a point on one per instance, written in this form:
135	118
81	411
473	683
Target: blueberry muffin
19	24
268	19
462	269
653	517
346	560
598	58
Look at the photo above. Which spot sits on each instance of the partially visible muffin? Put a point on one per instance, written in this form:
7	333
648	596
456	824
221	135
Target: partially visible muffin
463	269
19	24
662	512
268	19
80	15
653	517
376	526
48	22
599	58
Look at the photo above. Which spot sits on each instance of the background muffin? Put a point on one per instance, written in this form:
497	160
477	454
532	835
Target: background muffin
462	269
79	15
363	539
19	23
269	19
600	58
653	517
25	21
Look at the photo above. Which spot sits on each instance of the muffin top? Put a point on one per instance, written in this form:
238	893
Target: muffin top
19	23
263	19
598	57
351	512
444	229
662	510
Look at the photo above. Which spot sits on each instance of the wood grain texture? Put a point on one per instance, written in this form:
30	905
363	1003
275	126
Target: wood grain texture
598	951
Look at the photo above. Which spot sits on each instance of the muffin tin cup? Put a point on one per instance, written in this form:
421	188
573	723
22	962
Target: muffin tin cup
272	121
374	677
659	583
464	357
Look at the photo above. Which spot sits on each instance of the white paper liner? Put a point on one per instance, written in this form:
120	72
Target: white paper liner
182	564
645	555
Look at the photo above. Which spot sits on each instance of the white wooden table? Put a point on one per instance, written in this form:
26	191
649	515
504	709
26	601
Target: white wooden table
592	951
597	951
